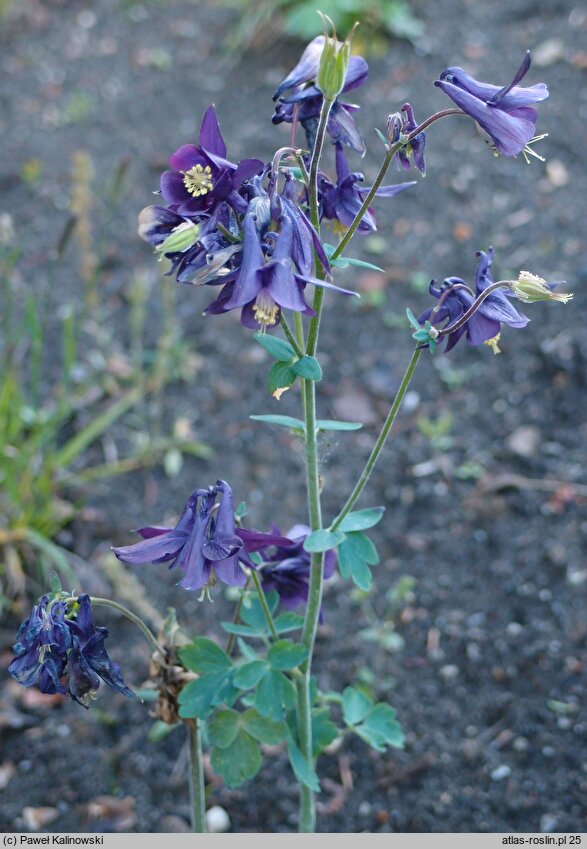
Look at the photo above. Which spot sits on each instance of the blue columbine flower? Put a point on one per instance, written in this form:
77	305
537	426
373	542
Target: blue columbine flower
455	298
205	544
298	96
505	113
286	567
412	153
201	176
59	649
267	280
342	202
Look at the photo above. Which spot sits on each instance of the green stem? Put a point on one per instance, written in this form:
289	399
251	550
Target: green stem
378	447
290	337
196	776
107	602
237	615
382	172
264	605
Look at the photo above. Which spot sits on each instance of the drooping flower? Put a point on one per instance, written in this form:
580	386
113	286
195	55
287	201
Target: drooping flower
203	544
412	153
286	568
505	113
455	298
342	202
201	176
266	285
300	99
59	649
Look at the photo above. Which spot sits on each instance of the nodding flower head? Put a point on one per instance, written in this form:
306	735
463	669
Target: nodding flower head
60	650
506	113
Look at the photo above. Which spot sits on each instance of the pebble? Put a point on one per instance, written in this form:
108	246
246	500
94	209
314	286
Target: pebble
449	672
501	772
524	441
217	820
548	823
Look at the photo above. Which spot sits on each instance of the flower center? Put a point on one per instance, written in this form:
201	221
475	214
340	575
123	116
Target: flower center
265	310
198	180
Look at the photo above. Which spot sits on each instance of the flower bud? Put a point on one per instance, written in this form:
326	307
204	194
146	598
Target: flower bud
530	289
334	62
180	239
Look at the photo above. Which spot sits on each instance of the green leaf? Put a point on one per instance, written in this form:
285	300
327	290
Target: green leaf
345	261
278	348
275	696
383	137
204	655
252	613
289	621
324	731
223	727
355	705
282	421
303	771
239	630
281	376
238	762
263	729
308	367
413	320
249	674
330	424
354	555
323	540
199	697
55	582
381	728
360	520
285	654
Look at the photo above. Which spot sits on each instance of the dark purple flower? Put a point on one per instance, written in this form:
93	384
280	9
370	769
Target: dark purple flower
203	545
263	287
201	176
455	298
342	202
505	113
88	660
411	153
304	99
286	568
51	649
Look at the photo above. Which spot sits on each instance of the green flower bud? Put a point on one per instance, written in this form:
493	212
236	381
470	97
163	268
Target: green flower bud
334	62
180	239
530	289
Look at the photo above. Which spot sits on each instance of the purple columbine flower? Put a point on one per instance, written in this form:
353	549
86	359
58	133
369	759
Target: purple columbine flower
342	202
201	176
304	99
265	286
286	568
411	153
203	544
506	114
64	655
455	298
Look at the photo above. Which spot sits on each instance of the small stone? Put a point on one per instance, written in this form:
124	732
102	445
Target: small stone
521	744
514	629
449	672
501	772
36	818
217	820
524	441
548	823
558	175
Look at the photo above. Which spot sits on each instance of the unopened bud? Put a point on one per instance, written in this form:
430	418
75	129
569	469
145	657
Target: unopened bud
530	289
334	62
180	239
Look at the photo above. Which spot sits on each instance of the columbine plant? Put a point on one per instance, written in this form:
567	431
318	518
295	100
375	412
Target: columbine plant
251	233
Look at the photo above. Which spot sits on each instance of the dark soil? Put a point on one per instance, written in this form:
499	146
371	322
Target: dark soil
488	677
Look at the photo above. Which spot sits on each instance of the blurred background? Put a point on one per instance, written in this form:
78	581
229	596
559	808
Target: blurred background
118	398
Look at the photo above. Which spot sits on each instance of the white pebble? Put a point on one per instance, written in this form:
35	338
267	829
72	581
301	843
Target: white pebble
217	820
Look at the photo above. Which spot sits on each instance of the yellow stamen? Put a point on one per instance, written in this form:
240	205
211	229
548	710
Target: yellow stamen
265	310
493	344
212	581
198	180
